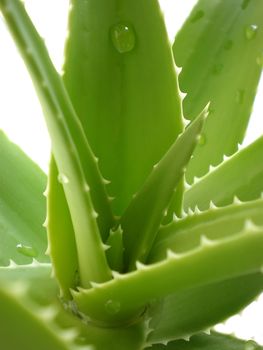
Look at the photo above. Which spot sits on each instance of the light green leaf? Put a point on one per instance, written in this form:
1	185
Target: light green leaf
54	325
129	109
141	221
76	163
182	314
215	341
62	244
215	223
210	262
240	176
22	206
219	48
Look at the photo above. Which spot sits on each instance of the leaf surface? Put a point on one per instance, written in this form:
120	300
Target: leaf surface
240	176
142	219
62	244
22	206
215	223
120	75
215	341
219	48
79	173
182	314
210	262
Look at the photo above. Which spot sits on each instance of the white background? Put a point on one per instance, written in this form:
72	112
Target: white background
21	116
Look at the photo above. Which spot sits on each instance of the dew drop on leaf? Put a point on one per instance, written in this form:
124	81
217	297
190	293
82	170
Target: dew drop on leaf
251	31
251	345
240	94
26	250
112	307
63	179
202	140
259	60
197	16
123	37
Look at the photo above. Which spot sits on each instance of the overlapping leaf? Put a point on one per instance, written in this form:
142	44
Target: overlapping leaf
22	206
240	176
77	165
215	341
120	75
142	219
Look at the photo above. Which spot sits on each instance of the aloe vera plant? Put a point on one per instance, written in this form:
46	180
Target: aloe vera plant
154	225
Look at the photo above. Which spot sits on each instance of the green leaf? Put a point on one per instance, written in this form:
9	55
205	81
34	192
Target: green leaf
210	262
215	223
36	323
78	167
224	183
215	341
182	314
22	204
115	251
62	244
130	110
219	48
54	325
142	219
34	274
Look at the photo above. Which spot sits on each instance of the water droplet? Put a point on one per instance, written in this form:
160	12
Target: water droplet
218	68
62	178
245	4
251	31
123	37
112	307
228	44
251	345
259	60
197	16
26	250
202	140
240	94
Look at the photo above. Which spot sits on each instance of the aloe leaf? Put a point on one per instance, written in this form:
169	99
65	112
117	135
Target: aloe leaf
224	183
111	56
114	252
215	341
210	262
62	244
209	47
78	167
44	316
22	203
182	314
142	219
215	223
16	306
34	274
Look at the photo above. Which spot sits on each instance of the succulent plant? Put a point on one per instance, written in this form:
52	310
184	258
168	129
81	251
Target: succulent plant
154	215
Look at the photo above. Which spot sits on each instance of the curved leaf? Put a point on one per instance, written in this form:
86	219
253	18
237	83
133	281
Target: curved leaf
22	206
215	341
225	183
215	223
219	48
210	262
182	314
76	162
62	244
141	221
